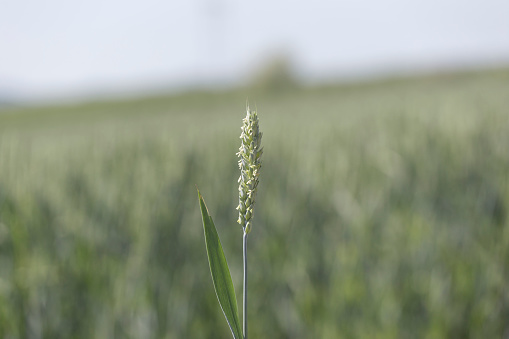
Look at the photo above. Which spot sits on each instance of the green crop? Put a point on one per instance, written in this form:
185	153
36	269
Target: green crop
250	153
382	211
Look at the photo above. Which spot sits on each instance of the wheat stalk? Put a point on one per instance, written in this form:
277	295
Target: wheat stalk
249	154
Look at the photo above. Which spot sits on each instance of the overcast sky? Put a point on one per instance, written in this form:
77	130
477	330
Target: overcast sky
58	48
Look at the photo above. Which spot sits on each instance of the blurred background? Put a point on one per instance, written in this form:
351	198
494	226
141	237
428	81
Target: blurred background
382	210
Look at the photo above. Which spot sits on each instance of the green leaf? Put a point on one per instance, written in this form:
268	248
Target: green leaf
220	272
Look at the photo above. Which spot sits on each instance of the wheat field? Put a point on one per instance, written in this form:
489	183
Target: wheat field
382	212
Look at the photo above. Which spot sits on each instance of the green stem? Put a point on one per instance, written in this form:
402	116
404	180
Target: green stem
244	313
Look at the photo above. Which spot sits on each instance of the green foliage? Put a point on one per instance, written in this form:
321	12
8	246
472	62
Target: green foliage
220	272
382	212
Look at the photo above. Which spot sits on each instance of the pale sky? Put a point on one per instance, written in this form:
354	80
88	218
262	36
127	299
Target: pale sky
62	48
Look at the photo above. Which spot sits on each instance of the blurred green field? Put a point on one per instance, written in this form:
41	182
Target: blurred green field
382	212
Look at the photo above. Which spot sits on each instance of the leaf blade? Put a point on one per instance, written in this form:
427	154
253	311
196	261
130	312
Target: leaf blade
220	272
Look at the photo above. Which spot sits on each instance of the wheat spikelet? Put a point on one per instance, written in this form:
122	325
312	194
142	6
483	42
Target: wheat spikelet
249	154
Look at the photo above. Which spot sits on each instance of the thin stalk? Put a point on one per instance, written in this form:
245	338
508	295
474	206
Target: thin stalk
244	313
